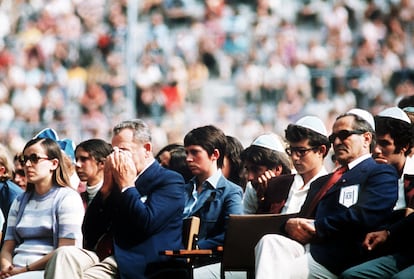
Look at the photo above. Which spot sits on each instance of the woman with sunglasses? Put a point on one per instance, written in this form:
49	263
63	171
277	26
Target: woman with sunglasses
48	215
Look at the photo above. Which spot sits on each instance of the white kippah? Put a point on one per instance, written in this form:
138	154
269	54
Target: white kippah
396	113
313	123
364	115
269	141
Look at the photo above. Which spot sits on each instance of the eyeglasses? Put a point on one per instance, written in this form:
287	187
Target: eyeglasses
344	134
33	158
298	151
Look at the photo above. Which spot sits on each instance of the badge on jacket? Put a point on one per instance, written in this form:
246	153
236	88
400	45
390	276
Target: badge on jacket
349	195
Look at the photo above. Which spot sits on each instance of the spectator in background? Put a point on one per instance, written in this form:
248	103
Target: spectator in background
9	191
233	168
263	159
173	157
90	156
19	177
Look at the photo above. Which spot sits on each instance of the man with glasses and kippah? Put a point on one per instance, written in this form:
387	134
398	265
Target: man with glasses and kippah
308	146
337	214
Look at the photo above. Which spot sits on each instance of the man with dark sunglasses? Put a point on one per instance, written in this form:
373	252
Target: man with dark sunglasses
308	146
326	238
395	138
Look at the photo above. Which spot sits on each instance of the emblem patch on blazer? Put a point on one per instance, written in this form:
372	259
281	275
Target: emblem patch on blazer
349	195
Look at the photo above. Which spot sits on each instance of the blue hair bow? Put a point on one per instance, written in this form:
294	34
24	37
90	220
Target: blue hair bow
67	145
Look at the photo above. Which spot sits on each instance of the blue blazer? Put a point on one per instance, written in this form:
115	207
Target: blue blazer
341	226
146	219
213	208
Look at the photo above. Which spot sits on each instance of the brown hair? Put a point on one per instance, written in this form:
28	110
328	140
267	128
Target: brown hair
52	149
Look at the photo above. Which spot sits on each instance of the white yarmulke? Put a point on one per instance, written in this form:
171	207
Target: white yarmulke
269	141
364	115
313	123
396	113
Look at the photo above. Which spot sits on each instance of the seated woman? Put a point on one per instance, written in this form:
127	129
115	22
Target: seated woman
48	215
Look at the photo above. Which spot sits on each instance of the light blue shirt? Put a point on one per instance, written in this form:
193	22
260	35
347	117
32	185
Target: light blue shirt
211	183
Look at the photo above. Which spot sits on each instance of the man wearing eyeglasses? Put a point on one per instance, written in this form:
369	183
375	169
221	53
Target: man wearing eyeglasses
333	223
308	146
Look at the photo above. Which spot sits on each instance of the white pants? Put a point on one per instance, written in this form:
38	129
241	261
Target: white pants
37	274
212	271
72	262
279	257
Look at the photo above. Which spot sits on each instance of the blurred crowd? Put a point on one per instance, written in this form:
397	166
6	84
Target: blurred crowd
63	64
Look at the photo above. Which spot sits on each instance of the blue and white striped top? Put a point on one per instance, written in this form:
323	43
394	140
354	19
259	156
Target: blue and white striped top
45	218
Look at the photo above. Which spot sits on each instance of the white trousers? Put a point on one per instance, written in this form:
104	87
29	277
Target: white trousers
70	262
279	257
37	274
212	271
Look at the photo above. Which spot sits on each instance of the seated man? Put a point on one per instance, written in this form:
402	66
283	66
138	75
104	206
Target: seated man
338	211
308	146
209	195
395	139
263	159
140	202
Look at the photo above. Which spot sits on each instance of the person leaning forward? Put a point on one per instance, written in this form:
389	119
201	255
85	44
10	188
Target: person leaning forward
141	201
326	237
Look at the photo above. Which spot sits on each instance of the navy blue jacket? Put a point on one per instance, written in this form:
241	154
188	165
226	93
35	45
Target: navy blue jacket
8	193
340	228
145	219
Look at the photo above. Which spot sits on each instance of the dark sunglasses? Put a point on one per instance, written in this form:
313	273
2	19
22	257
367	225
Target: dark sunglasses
344	134
298	151
33	158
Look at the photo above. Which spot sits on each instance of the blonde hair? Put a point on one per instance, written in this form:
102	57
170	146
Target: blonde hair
7	162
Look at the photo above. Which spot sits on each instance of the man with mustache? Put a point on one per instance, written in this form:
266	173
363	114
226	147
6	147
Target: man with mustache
326	237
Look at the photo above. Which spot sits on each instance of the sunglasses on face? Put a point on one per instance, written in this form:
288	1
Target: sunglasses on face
298	151
344	134
33	158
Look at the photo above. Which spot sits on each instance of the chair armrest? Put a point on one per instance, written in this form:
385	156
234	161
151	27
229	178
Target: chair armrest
187	253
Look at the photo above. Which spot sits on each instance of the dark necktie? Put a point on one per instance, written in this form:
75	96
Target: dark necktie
328	185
